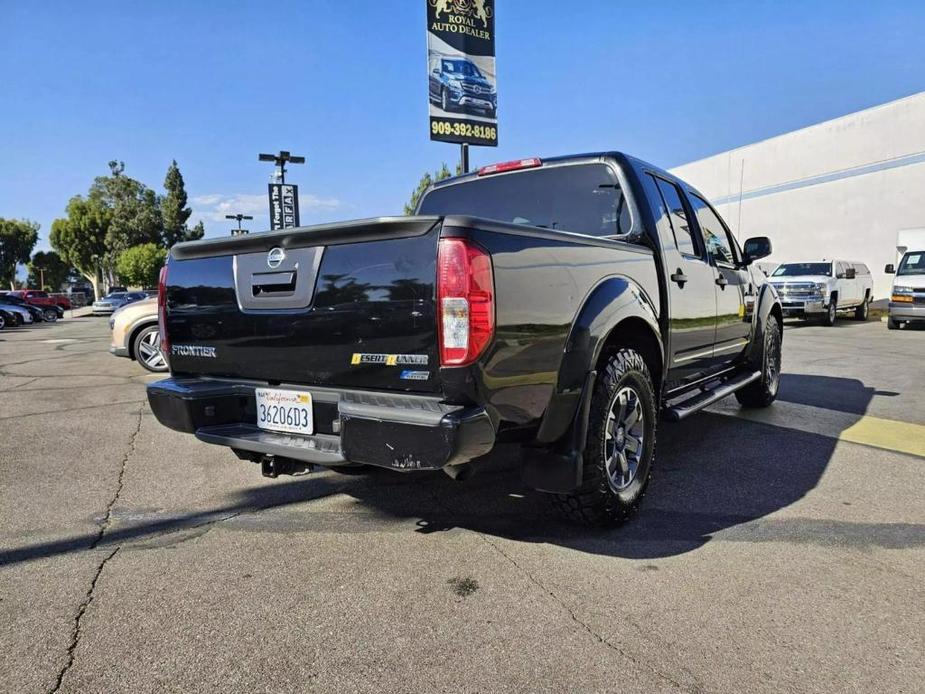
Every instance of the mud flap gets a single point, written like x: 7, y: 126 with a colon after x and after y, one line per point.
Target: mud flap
x: 558, y: 469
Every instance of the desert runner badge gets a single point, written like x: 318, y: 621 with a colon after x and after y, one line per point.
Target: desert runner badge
x: 389, y: 359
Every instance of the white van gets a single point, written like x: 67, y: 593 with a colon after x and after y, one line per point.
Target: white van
x: 907, y: 300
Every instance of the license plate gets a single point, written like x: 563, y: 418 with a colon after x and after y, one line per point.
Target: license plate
x: 284, y: 410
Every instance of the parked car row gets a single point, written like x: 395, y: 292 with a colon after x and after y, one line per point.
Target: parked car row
x: 22, y: 308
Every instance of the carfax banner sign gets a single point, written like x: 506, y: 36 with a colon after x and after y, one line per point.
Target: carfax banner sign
x: 461, y: 71
x: 284, y: 206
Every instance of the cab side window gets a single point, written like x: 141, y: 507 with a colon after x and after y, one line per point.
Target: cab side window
x: 715, y: 237
x: 677, y: 217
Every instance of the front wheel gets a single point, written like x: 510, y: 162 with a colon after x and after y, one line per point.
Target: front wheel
x: 148, y: 350
x: 49, y: 315
x: 444, y: 100
x: 892, y: 324
x: 620, y: 447
x: 831, y: 314
x: 763, y: 392
x: 2, y: 322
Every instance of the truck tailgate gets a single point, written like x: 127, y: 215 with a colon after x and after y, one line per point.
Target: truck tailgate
x: 349, y: 305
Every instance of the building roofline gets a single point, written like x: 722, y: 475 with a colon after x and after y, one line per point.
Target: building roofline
x: 894, y: 102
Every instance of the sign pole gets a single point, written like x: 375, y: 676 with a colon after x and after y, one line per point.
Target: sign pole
x: 464, y: 157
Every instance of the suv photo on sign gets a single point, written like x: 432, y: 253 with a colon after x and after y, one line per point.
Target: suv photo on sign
x: 461, y: 71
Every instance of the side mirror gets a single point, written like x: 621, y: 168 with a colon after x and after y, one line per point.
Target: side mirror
x: 889, y: 269
x: 756, y: 248
x: 850, y: 273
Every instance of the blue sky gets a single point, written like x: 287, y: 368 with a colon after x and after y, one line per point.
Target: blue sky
x: 213, y: 83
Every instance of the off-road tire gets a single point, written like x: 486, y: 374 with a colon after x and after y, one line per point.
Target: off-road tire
x: 831, y: 312
x: 763, y: 392
x: 862, y: 311
x: 595, y: 502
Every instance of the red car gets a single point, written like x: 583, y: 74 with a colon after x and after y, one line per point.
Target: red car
x: 37, y: 297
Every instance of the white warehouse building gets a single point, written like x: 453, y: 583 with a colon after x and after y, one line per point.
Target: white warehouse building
x: 839, y: 189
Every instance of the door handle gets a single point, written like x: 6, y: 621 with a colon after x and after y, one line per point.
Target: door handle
x: 679, y: 277
x: 722, y: 281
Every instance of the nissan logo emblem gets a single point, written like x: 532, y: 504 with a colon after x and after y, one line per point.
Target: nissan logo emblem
x: 275, y: 257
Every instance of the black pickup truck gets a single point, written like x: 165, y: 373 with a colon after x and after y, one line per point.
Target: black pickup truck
x: 565, y: 304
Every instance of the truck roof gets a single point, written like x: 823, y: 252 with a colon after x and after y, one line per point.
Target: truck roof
x: 586, y: 157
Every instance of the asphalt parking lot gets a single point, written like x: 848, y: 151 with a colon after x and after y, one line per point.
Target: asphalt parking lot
x: 777, y: 551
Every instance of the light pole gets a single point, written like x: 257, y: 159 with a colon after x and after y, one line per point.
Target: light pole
x: 280, y: 160
x: 239, y: 217
x: 41, y: 277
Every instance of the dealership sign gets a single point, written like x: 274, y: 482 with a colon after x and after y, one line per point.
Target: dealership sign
x: 461, y: 71
x: 284, y: 206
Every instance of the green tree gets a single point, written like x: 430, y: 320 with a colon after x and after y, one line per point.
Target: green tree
x: 197, y: 232
x: 136, y: 213
x: 426, y: 181
x: 17, y: 239
x: 80, y: 238
x: 174, y: 211
x: 140, y: 265
x: 47, y: 269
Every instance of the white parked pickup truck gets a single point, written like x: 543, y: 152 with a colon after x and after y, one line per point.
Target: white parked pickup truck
x: 823, y: 288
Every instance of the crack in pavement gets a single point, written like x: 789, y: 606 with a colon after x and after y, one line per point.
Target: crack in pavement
x: 104, y: 526
x: 75, y: 632
x: 584, y: 625
x: 575, y: 618
x: 73, y: 409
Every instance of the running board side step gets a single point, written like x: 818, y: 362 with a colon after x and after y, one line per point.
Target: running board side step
x: 688, y: 407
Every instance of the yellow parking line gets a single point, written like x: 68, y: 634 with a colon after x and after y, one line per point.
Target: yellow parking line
x: 889, y: 434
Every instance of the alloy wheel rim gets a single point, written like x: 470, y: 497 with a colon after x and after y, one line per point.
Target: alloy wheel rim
x: 624, y: 438
x: 149, y: 349
x: 772, y: 361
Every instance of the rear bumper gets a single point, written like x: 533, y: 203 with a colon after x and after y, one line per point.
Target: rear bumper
x: 401, y: 432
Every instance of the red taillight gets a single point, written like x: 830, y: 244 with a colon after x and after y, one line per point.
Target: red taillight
x: 465, y: 301
x: 530, y: 163
x: 162, y: 311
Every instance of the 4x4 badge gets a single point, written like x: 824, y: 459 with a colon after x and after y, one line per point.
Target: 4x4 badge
x: 275, y: 257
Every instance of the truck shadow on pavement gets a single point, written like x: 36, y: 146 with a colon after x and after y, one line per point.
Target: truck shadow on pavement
x: 724, y: 484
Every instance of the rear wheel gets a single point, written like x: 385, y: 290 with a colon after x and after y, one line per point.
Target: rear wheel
x: 49, y: 315
x: 2, y: 322
x: 862, y: 311
x: 147, y: 350
x: 763, y: 392
x: 620, y: 447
